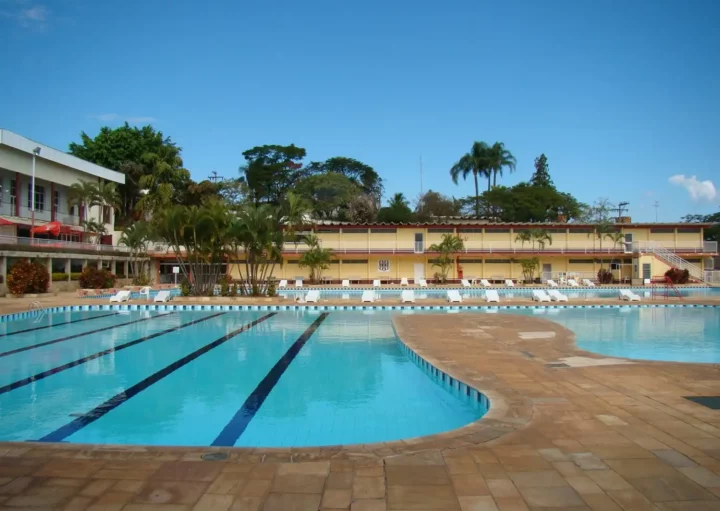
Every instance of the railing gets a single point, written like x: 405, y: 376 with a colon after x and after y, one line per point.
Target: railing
x: 7, y: 209
x: 712, y: 276
x: 67, y: 245
x: 669, y: 257
x: 710, y: 247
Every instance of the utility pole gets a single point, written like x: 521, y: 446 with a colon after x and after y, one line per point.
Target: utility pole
x: 421, y: 176
x: 656, y: 205
x: 214, y: 177
x: 621, y: 207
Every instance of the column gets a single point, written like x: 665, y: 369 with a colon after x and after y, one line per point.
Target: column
x: 68, y: 268
x: 126, y: 269
x: 48, y: 265
x: 84, y: 264
x: 113, y: 267
x: 3, y: 269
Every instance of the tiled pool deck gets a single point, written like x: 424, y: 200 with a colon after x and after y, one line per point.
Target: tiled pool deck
x: 567, y: 429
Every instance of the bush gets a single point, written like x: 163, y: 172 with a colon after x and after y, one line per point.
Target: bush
x: 678, y: 276
x: 141, y: 280
x: 28, y: 277
x: 75, y: 276
x: 272, y: 287
x: 94, y: 278
x: 605, y: 276
x: 234, y: 289
x: 224, y: 286
x: 185, y: 287
x: 60, y: 277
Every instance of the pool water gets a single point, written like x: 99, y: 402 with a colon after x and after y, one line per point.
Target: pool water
x: 273, y: 379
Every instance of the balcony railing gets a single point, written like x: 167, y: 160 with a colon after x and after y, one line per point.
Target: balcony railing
x: 44, y: 215
x: 65, y: 245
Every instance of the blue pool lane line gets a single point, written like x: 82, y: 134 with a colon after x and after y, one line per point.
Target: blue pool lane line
x: 237, y: 425
x: 50, y: 372
x: 68, y: 429
x: 58, y: 324
x: 74, y: 336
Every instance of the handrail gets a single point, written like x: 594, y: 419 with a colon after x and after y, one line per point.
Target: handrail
x: 51, y: 243
x: 670, y: 257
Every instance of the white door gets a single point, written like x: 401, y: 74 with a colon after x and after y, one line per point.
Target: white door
x: 628, y: 242
x: 419, y: 271
x: 419, y: 243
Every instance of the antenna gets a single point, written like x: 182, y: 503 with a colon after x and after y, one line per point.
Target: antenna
x: 656, y: 205
x: 421, y: 175
x: 214, y: 177
x: 622, y: 206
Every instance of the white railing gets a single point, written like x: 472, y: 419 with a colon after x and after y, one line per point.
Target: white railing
x: 66, y: 245
x: 712, y: 276
x: 710, y: 247
x: 669, y: 257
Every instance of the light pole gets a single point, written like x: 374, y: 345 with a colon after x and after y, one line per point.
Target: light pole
x: 36, y: 152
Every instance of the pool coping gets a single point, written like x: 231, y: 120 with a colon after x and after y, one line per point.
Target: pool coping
x: 508, y: 410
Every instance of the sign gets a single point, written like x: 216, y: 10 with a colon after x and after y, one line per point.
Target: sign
x: 176, y: 269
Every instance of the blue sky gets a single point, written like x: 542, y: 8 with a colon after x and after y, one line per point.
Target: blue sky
x: 619, y: 95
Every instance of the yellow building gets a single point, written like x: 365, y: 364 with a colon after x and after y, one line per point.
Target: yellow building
x: 363, y: 253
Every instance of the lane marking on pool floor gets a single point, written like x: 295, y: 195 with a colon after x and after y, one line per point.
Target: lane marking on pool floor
x: 26, y: 381
x: 83, y: 420
x: 58, y: 324
x: 237, y: 425
x: 75, y: 336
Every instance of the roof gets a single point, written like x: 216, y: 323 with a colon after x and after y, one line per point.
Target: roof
x: 20, y: 143
x: 470, y: 222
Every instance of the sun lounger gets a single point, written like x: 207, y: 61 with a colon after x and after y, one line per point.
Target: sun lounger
x: 540, y: 296
x: 298, y: 283
x: 509, y: 283
x: 588, y: 283
x: 626, y: 294
x: 283, y: 283
x: 121, y: 296
x: 404, y: 281
x: 368, y: 296
x: 312, y: 296
x: 484, y: 283
x: 453, y: 296
x: 422, y: 282
x: 492, y: 296
x: 163, y: 296
x: 557, y: 296
x: 407, y: 296
x: 552, y: 283
x: 376, y: 283
x: 573, y: 283
x: 345, y: 283
x: 465, y: 283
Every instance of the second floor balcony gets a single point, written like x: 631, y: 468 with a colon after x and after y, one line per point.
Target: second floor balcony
x: 61, y: 215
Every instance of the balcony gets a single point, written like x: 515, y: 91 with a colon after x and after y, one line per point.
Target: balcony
x: 62, y: 216
x: 59, y: 245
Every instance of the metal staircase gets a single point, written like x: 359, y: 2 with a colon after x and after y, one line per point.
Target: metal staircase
x: 669, y: 257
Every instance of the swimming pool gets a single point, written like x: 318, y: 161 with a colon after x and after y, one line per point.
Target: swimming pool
x: 275, y: 376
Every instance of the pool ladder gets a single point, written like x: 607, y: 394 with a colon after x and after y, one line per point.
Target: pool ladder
x: 36, y: 306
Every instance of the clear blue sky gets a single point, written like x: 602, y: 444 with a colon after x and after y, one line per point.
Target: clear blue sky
x: 620, y: 95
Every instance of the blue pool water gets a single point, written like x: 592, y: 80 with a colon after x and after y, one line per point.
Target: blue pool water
x: 272, y: 379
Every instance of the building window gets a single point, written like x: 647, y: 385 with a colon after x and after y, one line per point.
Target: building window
x: 662, y: 230
x: 355, y: 261
x: 327, y: 231
x: 470, y: 230
x: 13, y: 193
x: 56, y: 201
x: 353, y: 230
x: 471, y: 261
x: 383, y: 265
x: 580, y: 261
x: 489, y: 230
x: 106, y: 214
x: 440, y: 230
x: 581, y: 230
x: 497, y: 261
x: 383, y: 230
x: 688, y: 230
x: 39, y: 197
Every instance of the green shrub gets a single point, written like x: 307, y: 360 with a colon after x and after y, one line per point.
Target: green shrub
x: 678, y: 276
x: 60, y: 277
x: 185, y: 287
x: 94, y: 278
x: 272, y: 287
x: 75, y: 276
x: 605, y: 276
x: 234, y: 289
x: 28, y: 277
x: 141, y: 280
x: 224, y: 286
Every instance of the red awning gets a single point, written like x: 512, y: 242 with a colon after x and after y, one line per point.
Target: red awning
x: 3, y: 221
x: 54, y: 228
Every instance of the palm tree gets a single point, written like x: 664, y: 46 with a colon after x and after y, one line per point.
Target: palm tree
x: 84, y: 195
x: 94, y: 228
x: 499, y: 157
x: 108, y: 197
x: 136, y: 237
x: 523, y: 237
x: 316, y: 258
x: 601, y: 231
x: 534, y: 236
x: 450, y: 244
x: 475, y: 162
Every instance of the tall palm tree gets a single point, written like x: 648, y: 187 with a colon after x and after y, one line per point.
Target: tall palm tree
x: 108, y: 197
x: 499, y: 157
x: 84, y: 195
x: 475, y: 162
x: 95, y: 229
x: 398, y: 201
x: 136, y: 237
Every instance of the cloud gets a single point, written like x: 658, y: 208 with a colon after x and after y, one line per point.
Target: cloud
x: 36, y: 13
x: 117, y: 117
x: 30, y: 16
x: 698, y: 190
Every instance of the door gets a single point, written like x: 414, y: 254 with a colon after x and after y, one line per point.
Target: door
x: 647, y: 271
x: 419, y: 271
x: 546, y: 271
x: 419, y: 243
x: 628, y: 243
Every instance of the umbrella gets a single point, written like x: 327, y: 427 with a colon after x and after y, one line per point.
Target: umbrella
x: 6, y: 222
x: 51, y: 227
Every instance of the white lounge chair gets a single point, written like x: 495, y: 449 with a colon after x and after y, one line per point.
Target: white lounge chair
x: 283, y: 283
x: 626, y: 294
x: 557, y: 296
x: 539, y: 295
x: 492, y: 296
x: 404, y: 281
x: 588, y: 283
x: 298, y: 283
x: 407, y: 296
x: 509, y: 283
x: 453, y: 296
x: 465, y: 283
x: 312, y: 296
x: 345, y: 283
x: 422, y: 282
x: 484, y: 283
x: 368, y: 296
x: 163, y: 296
x: 121, y: 296
x: 376, y: 283
x: 573, y: 283
x: 552, y: 283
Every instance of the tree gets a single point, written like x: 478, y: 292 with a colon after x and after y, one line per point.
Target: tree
x: 361, y: 209
x: 601, y: 231
x: 526, y: 204
x: 710, y: 233
x: 329, y: 193
x: 541, y: 176
x: 498, y: 158
x: 94, y: 229
x: 128, y: 150
x: 451, y: 244
x: 136, y: 237
x: 529, y: 267
x: 84, y: 195
x: 198, y: 193
x: 361, y: 174
x: 166, y: 183
x: 316, y: 258
x: 435, y: 205
x: 271, y: 171
x: 537, y: 237
x: 476, y: 162
x: 397, y: 211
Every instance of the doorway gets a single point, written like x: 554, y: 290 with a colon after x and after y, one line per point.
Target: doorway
x: 419, y: 271
x: 628, y: 243
x: 546, y: 271
x: 419, y: 243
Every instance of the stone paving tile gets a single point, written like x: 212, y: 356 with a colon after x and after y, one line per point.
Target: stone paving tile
x: 558, y: 497
x: 213, y: 503
x: 477, y: 504
x: 702, y: 476
x: 416, y: 475
x: 298, y: 483
x: 186, y: 471
x: 369, y: 505
x: 171, y: 492
x: 422, y: 497
x: 290, y: 501
x: 336, y: 499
